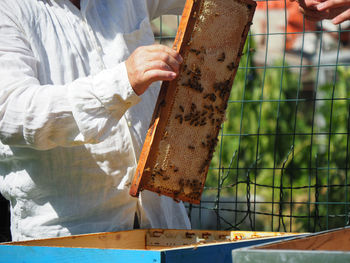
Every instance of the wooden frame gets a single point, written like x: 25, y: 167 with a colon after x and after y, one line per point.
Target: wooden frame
x: 177, y: 167
x: 142, y: 245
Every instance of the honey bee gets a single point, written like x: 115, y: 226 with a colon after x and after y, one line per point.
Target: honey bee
x: 193, y: 107
x: 191, y: 147
x: 179, y: 117
x: 190, y: 235
x: 162, y: 103
x: 222, y: 57
x: 231, y: 66
x: 197, y: 52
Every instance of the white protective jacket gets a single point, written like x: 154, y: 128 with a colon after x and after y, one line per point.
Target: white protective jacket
x: 71, y: 126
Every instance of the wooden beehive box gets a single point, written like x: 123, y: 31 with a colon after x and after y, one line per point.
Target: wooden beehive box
x: 323, y: 247
x: 142, y: 246
x: 190, y: 110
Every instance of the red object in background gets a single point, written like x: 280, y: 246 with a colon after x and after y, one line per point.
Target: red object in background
x: 295, y: 23
x: 279, y: 4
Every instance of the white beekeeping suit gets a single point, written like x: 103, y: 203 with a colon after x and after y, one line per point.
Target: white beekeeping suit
x: 71, y: 126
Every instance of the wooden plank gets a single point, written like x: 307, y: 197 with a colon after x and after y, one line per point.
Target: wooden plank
x: 215, y: 252
x: 190, y: 110
x: 337, y: 240
x: 195, y: 246
x: 168, y: 238
x: 148, y: 239
x: 29, y: 254
x: 133, y: 239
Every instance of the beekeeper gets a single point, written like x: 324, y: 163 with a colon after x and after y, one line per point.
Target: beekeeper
x: 78, y: 84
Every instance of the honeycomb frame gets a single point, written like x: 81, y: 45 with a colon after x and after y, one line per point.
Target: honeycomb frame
x: 181, y: 139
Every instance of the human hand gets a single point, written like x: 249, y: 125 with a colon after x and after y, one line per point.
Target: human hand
x: 148, y: 64
x: 339, y: 10
x: 309, y: 9
x: 315, y: 10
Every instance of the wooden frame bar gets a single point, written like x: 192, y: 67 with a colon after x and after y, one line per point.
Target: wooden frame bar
x: 142, y: 245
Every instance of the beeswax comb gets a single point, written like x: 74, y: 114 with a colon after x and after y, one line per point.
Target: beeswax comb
x: 181, y: 139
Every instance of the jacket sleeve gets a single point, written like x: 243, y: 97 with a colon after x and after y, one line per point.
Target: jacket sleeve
x: 46, y: 116
x: 165, y: 7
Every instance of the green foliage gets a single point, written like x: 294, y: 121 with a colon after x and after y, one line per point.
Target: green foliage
x: 285, y: 142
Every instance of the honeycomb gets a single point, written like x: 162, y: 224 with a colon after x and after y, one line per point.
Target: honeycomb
x: 190, y: 110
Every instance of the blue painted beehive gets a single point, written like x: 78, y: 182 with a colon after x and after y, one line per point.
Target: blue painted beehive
x: 144, y: 246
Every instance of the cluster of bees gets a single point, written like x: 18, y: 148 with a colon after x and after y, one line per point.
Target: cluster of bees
x: 156, y: 171
x: 193, y: 81
x: 194, y: 117
x: 192, y: 187
x: 210, y: 112
x: 199, y: 117
x: 210, y: 144
x: 195, y: 185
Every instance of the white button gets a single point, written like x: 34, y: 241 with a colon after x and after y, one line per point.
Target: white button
x: 129, y: 123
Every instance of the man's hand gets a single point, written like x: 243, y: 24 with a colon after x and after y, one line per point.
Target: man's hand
x: 315, y: 10
x: 148, y: 64
x: 339, y: 10
x: 309, y: 9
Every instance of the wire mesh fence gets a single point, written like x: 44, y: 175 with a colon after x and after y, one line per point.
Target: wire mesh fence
x: 282, y: 161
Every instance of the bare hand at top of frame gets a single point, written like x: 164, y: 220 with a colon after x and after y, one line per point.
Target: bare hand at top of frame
x: 148, y: 64
x: 337, y: 10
